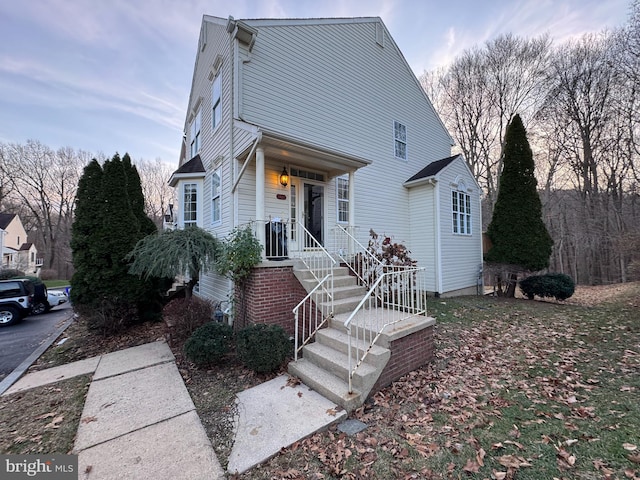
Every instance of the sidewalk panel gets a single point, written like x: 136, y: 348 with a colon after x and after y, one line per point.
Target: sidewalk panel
x: 125, y: 403
x: 133, y: 358
x: 54, y: 374
x: 173, y: 449
x: 273, y: 415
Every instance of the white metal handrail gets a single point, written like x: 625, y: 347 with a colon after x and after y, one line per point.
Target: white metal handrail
x: 360, y: 260
x: 313, y: 315
x: 397, y: 293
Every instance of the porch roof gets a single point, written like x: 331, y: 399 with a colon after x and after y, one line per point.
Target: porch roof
x: 294, y: 151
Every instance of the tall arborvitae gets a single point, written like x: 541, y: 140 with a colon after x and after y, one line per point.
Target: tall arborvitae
x: 85, y: 242
x: 518, y: 235
x: 136, y: 198
x: 106, y: 228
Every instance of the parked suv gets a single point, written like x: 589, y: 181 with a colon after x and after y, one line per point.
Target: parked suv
x: 16, y: 298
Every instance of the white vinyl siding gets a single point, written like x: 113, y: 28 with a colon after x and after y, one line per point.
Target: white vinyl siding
x: 296, y: 83
x: 422, y: 241
x: 461, y: 253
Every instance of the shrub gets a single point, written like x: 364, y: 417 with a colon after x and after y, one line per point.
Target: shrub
x: 209, y: 343
x: 108, y: 316
x: 49, y: 274
x: 9, y: 273
x: 183, y: 316
x: 263, y: 348
x: 556, y: 285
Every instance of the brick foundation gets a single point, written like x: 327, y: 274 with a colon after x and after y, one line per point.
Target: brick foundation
x: 407, y: 354
x: 271, y: 295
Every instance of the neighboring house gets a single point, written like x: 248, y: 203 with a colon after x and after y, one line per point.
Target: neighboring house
x: 316, y: 131
x: 17, y: 253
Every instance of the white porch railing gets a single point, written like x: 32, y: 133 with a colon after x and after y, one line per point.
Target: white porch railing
x: 394, y: 293
x: 310, y: 314
x: 364, y: 264
x: 286, y: 239
x: 397, y: 293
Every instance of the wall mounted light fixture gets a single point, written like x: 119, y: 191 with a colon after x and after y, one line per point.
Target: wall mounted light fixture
x: 284, y: 177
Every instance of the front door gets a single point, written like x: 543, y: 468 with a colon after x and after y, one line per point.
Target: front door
x: 313, y: 211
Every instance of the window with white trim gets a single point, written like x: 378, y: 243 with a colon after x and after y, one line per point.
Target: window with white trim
x: 195, y: 135
x: 342, y: 192
x: 399, y: 140
x: 216, y: 102
x: 216, y: 196
x: 190, y: 204
x: 461, y: 212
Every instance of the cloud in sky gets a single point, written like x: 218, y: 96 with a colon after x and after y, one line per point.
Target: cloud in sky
x: 114, y: 75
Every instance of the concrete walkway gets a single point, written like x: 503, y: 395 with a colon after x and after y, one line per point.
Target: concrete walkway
x: 139, y: 421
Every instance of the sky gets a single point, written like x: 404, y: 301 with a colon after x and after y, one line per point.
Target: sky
x: 109, y: 76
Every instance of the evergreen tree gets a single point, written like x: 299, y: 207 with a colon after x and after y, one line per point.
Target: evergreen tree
x: 518, y: 235
x: 107, y: 226
x: 85, y: 244
x: 136, y: 198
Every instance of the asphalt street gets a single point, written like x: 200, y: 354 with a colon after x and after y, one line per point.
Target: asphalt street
x: 18, y: 341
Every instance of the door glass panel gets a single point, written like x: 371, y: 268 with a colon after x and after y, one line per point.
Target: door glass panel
x: 313, y: 211
x: 294, y: 199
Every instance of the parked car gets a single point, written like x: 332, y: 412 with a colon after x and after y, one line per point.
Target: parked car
x: 16, y: 300
x: 45, y: 300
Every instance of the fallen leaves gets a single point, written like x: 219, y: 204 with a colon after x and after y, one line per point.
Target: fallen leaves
x: 55, y: 423
x: 566, y: 460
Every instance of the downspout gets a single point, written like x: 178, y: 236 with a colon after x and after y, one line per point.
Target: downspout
x: 438, y: 235
x: 481, y: 272
x: 233, y: 161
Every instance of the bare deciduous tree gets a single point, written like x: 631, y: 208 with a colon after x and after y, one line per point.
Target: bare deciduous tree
x: 155, y: 187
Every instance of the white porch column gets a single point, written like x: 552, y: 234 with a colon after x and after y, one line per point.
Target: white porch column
x: 352, y: 199
x: 352, y: 209
x: 260, y: 219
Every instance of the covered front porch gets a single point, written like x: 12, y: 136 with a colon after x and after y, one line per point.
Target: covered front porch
x: 301, y: 192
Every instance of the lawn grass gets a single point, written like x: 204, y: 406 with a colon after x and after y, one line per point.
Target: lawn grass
x: 520, y: 389
x: 56, y: 283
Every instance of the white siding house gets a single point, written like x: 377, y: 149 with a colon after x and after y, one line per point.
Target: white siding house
x: 334, y: 104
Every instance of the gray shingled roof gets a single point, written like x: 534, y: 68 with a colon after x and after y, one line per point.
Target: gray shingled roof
x: 192, y: 166
x: 5, y: 219
x: 433, y: 168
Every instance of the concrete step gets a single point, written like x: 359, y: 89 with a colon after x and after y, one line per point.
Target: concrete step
x: 337, y: 363
x: 339, y: 340
x: 343, y: 305
x: 338, y: 281
x: 326, y: 384
x: 348, y: 291
x: 304, y: 271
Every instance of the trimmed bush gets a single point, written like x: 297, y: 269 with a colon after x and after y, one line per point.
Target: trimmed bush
x: 183, y: 316
x: 209, y: 343
x: 557, y: 285
x: 9, y: 273
x: 263, y: 348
